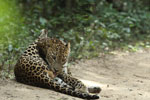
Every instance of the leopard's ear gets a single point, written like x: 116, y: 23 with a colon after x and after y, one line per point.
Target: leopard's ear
x: 68, y: 45
x: 41, y: 43
x: 43, y: 34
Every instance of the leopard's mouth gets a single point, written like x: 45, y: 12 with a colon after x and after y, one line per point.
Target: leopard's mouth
x: 56, y: 71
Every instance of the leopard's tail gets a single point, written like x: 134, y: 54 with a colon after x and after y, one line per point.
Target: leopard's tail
x: 70, y: 91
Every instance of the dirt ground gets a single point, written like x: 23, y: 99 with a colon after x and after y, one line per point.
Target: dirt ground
x: 122, y: 76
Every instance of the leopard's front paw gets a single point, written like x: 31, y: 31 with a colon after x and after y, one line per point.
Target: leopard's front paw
x: 94, y: 89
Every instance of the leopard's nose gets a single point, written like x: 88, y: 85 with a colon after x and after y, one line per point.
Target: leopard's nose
x: 56, y: 70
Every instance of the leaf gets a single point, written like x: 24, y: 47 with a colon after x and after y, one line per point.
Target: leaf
x: 10, y: 48
x: 43, y: 21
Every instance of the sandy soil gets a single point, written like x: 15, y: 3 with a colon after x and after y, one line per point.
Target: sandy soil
x: 123, y: 76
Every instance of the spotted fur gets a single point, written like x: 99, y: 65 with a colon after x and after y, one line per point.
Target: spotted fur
x: 42, y: 64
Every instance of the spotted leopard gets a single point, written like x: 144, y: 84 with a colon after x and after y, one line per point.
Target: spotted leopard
x: 43, y: 64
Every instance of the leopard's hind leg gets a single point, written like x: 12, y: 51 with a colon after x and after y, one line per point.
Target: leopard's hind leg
x: 73, y: 82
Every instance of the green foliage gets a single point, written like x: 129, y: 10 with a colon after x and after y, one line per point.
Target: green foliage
x: 12, y: 32
x: 92, y: 26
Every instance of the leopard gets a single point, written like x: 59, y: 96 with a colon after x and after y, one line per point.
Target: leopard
x: 43, y: 64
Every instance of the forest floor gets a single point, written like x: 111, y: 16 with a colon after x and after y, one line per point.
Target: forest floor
x: 122, y: 76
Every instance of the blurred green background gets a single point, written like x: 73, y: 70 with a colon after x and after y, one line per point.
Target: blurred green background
x: 92, y: 26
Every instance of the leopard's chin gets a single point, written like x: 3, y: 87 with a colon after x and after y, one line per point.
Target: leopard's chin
x: 56, y: 74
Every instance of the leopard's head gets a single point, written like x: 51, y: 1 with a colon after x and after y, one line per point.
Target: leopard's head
x: 55, y: 52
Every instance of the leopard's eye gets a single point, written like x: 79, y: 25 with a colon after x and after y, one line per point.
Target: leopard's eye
x: 48, y: 45
x: 54, y: 57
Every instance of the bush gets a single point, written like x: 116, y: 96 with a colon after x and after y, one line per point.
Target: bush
x: 90, y: 24
x: 12, y: 35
